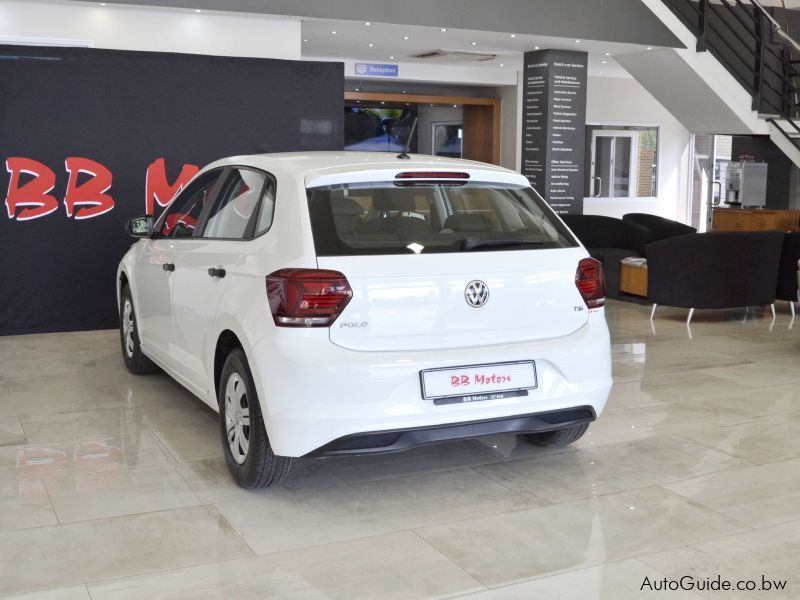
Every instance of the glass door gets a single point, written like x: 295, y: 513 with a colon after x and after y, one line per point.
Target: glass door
x: 613, y: 167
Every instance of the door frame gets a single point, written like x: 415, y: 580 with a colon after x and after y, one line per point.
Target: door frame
x: 633, y: 135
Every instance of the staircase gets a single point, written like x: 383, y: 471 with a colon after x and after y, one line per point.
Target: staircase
x: 759, y: 90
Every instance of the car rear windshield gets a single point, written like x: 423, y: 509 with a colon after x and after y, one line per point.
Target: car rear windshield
x: 388, y: 218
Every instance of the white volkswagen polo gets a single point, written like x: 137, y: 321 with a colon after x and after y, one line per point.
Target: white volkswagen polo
x: 343, y: 303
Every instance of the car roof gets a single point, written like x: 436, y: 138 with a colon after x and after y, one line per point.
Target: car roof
x: 329, y: 167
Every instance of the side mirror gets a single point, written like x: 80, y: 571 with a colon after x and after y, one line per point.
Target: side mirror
x: 140, y: 227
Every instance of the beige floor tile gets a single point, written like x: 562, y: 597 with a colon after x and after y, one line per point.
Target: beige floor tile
x: 763, y: 373
x: 758, y: 442
x: 46, y: 401
x: 211, y: 481
x: 25, y: 462
x: 391, y: 566
x: 614, y: 581
x: 85, y: 375
x: 771, y: 552
x: 76, y: 592
x: 58, y: 556
x: 158, y: 389
x: 191, y: 443
x: 25, y: 505
x: 11, y: 432
x: 508, y: 547
x: 98, y: 495
x: 285, y: 519
x: 665, y: 418
x: 610, y: 468
x: 759, y: 496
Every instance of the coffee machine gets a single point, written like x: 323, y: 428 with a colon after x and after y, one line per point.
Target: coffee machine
x: 746, y: 184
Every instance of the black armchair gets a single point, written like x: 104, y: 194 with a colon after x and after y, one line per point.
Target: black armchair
x: 787, y: 271
x: 608, y: 240
x: 722, y: 269
x: 653, y: 228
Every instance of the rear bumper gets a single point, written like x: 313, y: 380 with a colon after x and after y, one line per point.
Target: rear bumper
x: 376, y: 442
x: 314, y: 393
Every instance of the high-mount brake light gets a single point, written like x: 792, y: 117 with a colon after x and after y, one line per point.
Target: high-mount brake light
x: 432, y: 175
x: 307, y: 297
x: 591, y: 283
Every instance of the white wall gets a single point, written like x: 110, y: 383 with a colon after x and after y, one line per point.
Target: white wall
x: 153, y: 29
x: 621, y: 101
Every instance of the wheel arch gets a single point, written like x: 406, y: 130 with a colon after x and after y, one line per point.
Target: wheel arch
x: 227, y: 340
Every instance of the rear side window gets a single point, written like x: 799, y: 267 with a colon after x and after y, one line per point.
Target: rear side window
x: 236, y: 205
x: 384, y: 218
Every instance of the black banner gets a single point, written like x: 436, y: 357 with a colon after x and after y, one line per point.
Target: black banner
x: 90, y: 138
x: 554, y: 126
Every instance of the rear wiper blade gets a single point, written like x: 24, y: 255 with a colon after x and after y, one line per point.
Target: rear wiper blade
x: 476, y: 244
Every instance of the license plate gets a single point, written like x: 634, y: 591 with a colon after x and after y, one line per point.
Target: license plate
x: 479, y: 382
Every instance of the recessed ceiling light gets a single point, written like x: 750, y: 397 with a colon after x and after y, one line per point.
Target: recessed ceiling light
x: 474, y: 43
x: 370, y: 44
x: 333, y: 33
x: 455, y: 105
x: 431, y: 104
x: 391, y: 58
x: 608, y: 53
x: 197, y: 10
x: 502, y: 65
x: 443, y: 29
x: 408, y: 103
x: 649, y: 47
x: 103, y: 4
x: 404, y: 91
x: 382, y: 102
x: 603, y: 61
x: 405, y: 37
x: 358, y: 101
x: 536, y: 47
x: 305, y: 40
x: 513, y: 35
x: 358, y: 89
x: 367, y: 23
x: 577, y: 41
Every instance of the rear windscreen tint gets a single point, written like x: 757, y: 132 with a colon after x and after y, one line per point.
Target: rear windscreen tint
x: 385, y: 218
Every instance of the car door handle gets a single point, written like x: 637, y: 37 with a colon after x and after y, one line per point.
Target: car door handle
x: 216, y: 272
x: 168, y: 266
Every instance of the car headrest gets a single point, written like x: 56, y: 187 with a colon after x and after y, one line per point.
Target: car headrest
x: 345, y: 207
x: 391, y: 199
x: 467, y: 222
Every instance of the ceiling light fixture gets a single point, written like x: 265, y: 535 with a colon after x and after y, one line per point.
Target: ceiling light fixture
x: 649, y: 47
x: 513, y: 35
x: 608, y: 53
x: 333, y: 33
x: 536, y: 47
x: 370, y: 44
x: 455, y: 105
x: 577, y: 41
x: 474, y: 43
x: 358, y: 89
x: 443, y: 29
x: 603, y: 61
x: 404, y: 91
x: 391, y: 58
x: 197, y: 10
x: 502, y: 65
x: 405, y: 37
x: 367, y: 23
x: 305, y: 40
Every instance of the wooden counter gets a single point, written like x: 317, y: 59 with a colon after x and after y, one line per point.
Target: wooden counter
x: 754, y: 219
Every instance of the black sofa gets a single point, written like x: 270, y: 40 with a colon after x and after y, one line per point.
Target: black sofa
x: 722, y: 269
x: 652, y: 228
x: 787, y: 271
x: 607, y: 239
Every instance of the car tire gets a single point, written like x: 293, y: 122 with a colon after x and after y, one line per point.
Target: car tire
x: 559, y: 437
x: 135, y: 360
x: 248, y: 453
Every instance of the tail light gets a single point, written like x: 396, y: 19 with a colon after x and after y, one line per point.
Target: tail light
x: 591, y: 283
x: 307, y: 297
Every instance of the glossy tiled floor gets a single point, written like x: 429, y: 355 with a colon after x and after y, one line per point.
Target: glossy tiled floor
x: 113, y: 486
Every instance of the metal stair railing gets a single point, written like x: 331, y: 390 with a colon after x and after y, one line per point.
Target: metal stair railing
x: 737, y: 33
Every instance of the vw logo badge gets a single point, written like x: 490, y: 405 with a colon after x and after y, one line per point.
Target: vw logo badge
x: 477, y: 293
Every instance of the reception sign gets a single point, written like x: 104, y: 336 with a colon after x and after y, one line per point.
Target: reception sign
x: 554, y: 126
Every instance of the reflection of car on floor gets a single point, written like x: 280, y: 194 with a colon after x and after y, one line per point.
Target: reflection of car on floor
x: 348, y: 303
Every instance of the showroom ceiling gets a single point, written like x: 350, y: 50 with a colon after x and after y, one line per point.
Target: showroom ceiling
x: 626, y: 21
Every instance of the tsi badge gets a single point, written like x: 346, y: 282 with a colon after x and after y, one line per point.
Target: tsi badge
x: 477, y: 293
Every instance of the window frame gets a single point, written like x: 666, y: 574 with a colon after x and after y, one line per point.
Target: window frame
x: 250, y: 229
x: 201, y: 218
